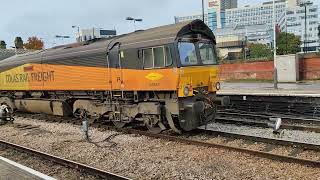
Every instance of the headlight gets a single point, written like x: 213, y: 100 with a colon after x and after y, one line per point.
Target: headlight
x: 186, y: 91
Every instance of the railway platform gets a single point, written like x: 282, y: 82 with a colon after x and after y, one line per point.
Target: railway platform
x: 10, y: 170
x: 305, y: 89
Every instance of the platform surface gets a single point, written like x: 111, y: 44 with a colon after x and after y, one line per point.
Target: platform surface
x: 309, y: 89
x: 10, y: 170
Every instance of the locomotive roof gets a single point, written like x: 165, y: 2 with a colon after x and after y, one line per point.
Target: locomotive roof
x: 138, y: 39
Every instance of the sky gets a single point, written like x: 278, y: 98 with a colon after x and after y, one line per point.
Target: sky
x: 45, y: 19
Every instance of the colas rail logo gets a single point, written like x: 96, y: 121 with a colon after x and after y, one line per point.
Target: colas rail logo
x: 30, y: 75
x: 154, y: 76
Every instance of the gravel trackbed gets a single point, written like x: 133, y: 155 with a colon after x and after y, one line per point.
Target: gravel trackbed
x: 141, y: 157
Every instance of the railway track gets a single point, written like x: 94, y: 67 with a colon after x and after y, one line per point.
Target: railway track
x: 300, y: 105
x: 64, y: 162
x: 269, y: 144
x: 262, y: 120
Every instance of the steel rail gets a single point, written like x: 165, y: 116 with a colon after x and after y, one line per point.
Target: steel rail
x: 285, y: 118
x: 262, y: 154
x: 64, y: 162
x: 273, y: 141
x: 265, y: 124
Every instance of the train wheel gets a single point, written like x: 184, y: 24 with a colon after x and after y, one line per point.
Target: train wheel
x: 119, y: 124
x: 153, y: 124
x: 117, y: 121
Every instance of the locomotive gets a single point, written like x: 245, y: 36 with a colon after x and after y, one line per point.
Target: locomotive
x: 164, y: 78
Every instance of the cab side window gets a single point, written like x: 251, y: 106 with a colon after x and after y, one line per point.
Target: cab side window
x: 157, y: 57
x: 169, y: 60
x: 148, y: 58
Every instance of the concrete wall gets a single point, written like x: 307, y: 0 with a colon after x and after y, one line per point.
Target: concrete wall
x: 309, y: 69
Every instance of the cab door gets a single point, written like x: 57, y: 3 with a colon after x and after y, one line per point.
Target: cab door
x: 117, y: 76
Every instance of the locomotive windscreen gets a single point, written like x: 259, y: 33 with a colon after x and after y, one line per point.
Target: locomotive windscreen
x: 197, y: 53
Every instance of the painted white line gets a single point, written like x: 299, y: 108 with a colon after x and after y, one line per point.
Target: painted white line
x: 255, y: 93
x: 26, y: 169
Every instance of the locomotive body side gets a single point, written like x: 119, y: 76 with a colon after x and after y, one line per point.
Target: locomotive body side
x: 141, y: 77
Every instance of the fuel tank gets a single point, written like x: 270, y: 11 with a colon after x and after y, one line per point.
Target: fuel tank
x: 51, y: 107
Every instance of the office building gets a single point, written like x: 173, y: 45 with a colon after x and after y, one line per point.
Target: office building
x: 293, y: 3
x: 229, y: 4
x: 194, y: 16
x: 293, y: 21
x: 235, y: 39
x: 289, y: 17
x: 254, y: 15
x: 215, y: 17
x: 217, y: 12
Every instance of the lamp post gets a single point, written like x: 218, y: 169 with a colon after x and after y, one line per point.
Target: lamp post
x: 78, y: 38
x: 275, y: 75
x: 134, y: 21
x: 203, y: 10
x: 62, y: 37
x: 305, y: 4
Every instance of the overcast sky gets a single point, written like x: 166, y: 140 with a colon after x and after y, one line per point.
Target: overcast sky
x: 45, y: 19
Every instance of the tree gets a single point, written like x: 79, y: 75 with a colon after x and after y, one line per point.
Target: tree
x: 288, y: 43
x: 18, y: 42
x: 3, y: 45
x: 34, y: 43
x: 260, y: 51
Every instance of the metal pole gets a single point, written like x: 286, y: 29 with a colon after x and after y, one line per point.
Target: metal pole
x: 305, y: 28
x: 246, y: 43
x: 93, y: 33
x: 203, y: 11
x: 79, y: 40
x: 275, y: 80
x: 286, y: 30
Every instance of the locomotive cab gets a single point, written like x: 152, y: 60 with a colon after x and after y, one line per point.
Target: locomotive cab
x: 198, y: 80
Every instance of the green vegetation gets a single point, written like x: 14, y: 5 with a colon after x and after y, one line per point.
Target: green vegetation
x: 260, y: 51
x: 288, y: 43
x: 18, y: 42
x: 3, y: 45
x: 34, y: 43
